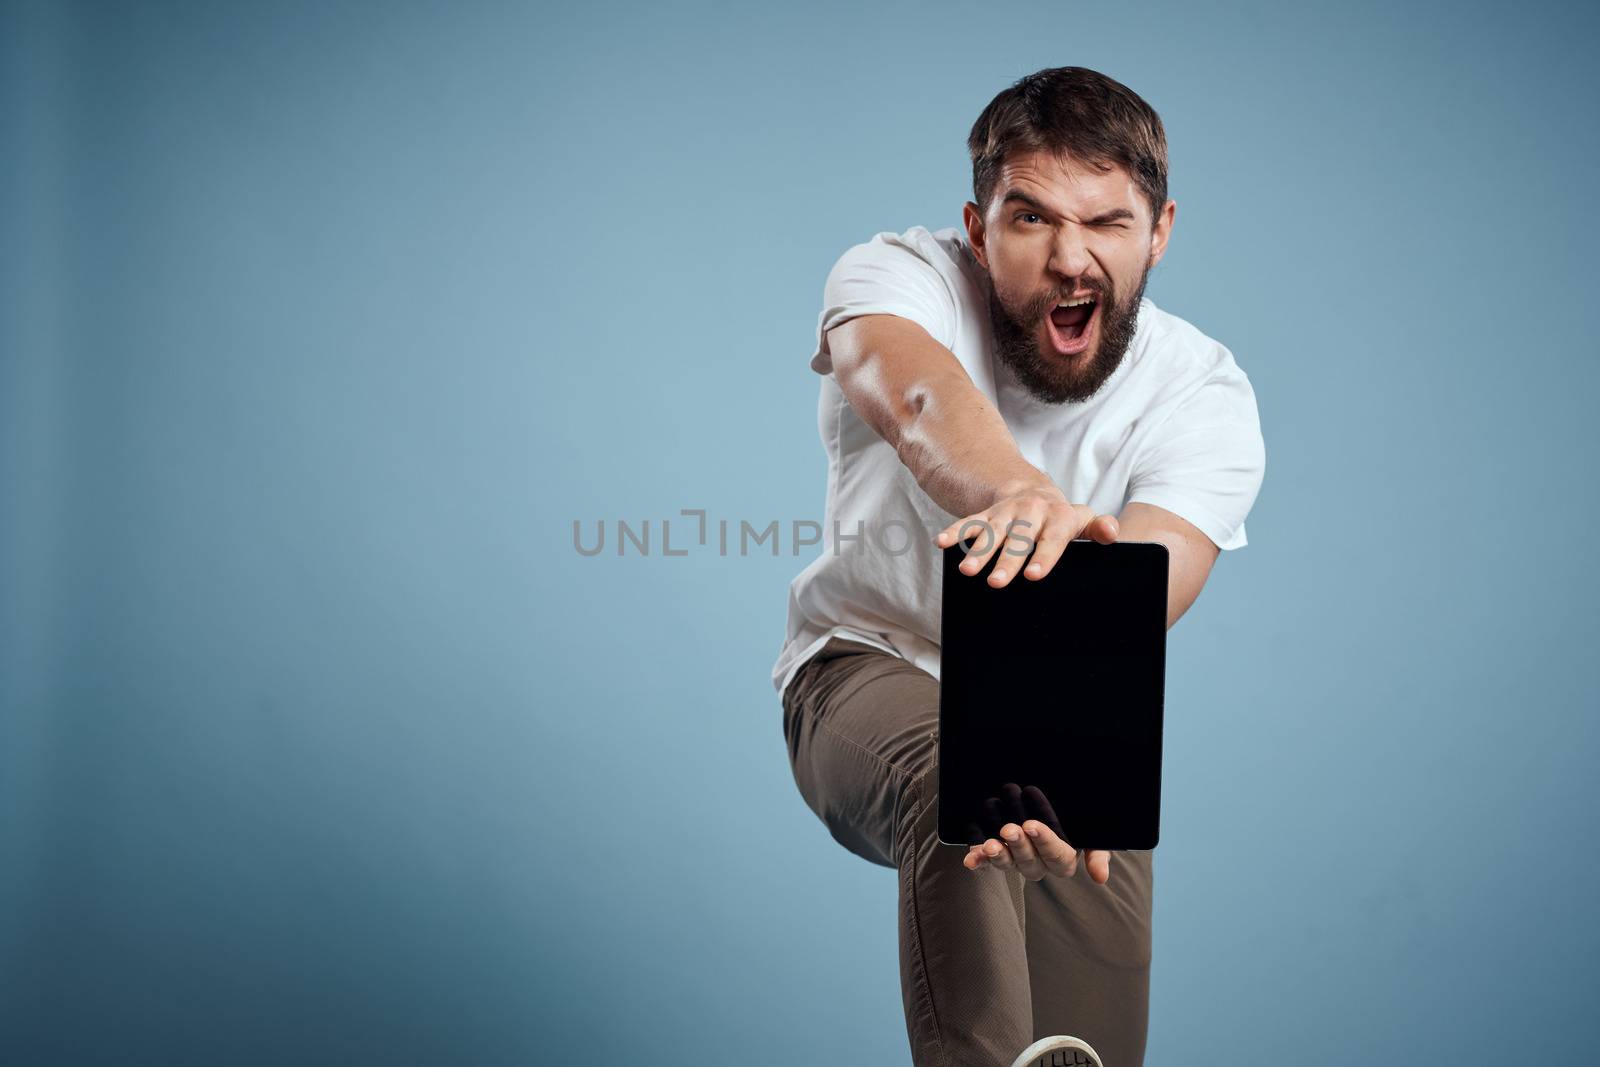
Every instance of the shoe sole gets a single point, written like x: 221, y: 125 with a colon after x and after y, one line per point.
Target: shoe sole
x: 1059, y: 1052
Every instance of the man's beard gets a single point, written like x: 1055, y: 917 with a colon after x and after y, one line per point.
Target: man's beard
x: 1051, y: 378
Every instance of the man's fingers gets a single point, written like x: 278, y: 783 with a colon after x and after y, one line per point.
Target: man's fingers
x: 1024, y: 535
x: 1104, y: 528
x: 1022, y: 852
x: 1034, y: 851
x: 985, y: 536
x: 1061, y: 525
x: 1042, y: 809
x: 1011, y: 803
x: 953, y: 533
x: 1066, y: 523
x: 1052, y: 543
x: 1058, y: 856
x: 1007, y: 530
x: 994, y: 817
x: 1019, y: 540
x: 998, y: 855
x: 1005, y: 533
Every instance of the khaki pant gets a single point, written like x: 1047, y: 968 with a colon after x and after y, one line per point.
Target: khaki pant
x: 989, y: 961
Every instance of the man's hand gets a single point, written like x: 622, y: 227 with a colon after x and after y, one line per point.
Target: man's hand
x: 1033, y: 850
x: 1027, y: 519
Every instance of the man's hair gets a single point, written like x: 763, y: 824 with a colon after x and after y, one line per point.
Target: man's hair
x: 1076, y: 113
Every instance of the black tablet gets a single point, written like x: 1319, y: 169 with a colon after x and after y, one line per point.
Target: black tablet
x: 1050, y: 697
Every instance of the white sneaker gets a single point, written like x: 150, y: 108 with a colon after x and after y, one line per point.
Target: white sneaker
x: 1058, y: 1051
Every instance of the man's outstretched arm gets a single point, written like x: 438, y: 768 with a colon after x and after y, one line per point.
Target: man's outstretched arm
x: 915, y: 394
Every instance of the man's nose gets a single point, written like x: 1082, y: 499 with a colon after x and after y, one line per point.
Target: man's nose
x: 1069, y: 255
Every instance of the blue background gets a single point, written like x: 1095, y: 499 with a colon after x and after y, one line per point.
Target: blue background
x: 321, y: 324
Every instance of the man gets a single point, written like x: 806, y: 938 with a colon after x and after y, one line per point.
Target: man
x: 1009, y: 372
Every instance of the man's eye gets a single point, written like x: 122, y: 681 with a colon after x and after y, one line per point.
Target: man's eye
x: 1026, y: 215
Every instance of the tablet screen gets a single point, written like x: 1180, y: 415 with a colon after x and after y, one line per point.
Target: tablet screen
x: 1050, y: 697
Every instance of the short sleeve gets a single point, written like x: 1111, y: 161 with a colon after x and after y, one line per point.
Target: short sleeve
x: 1205, y: 463
x: 888, y: 275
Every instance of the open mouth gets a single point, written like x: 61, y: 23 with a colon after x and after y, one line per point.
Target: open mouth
x: 1070, y: 323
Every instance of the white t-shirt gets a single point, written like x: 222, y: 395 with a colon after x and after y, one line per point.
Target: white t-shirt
x: 1175, y: 426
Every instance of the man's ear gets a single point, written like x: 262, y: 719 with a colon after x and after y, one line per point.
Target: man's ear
x: 1161, y: 231
x: 973, y: 218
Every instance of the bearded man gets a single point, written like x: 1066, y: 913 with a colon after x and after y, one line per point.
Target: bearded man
x: 1011, y: 372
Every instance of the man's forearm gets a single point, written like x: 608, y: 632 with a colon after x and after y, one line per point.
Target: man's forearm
x: 959, y: 449
x: 916, y: 395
